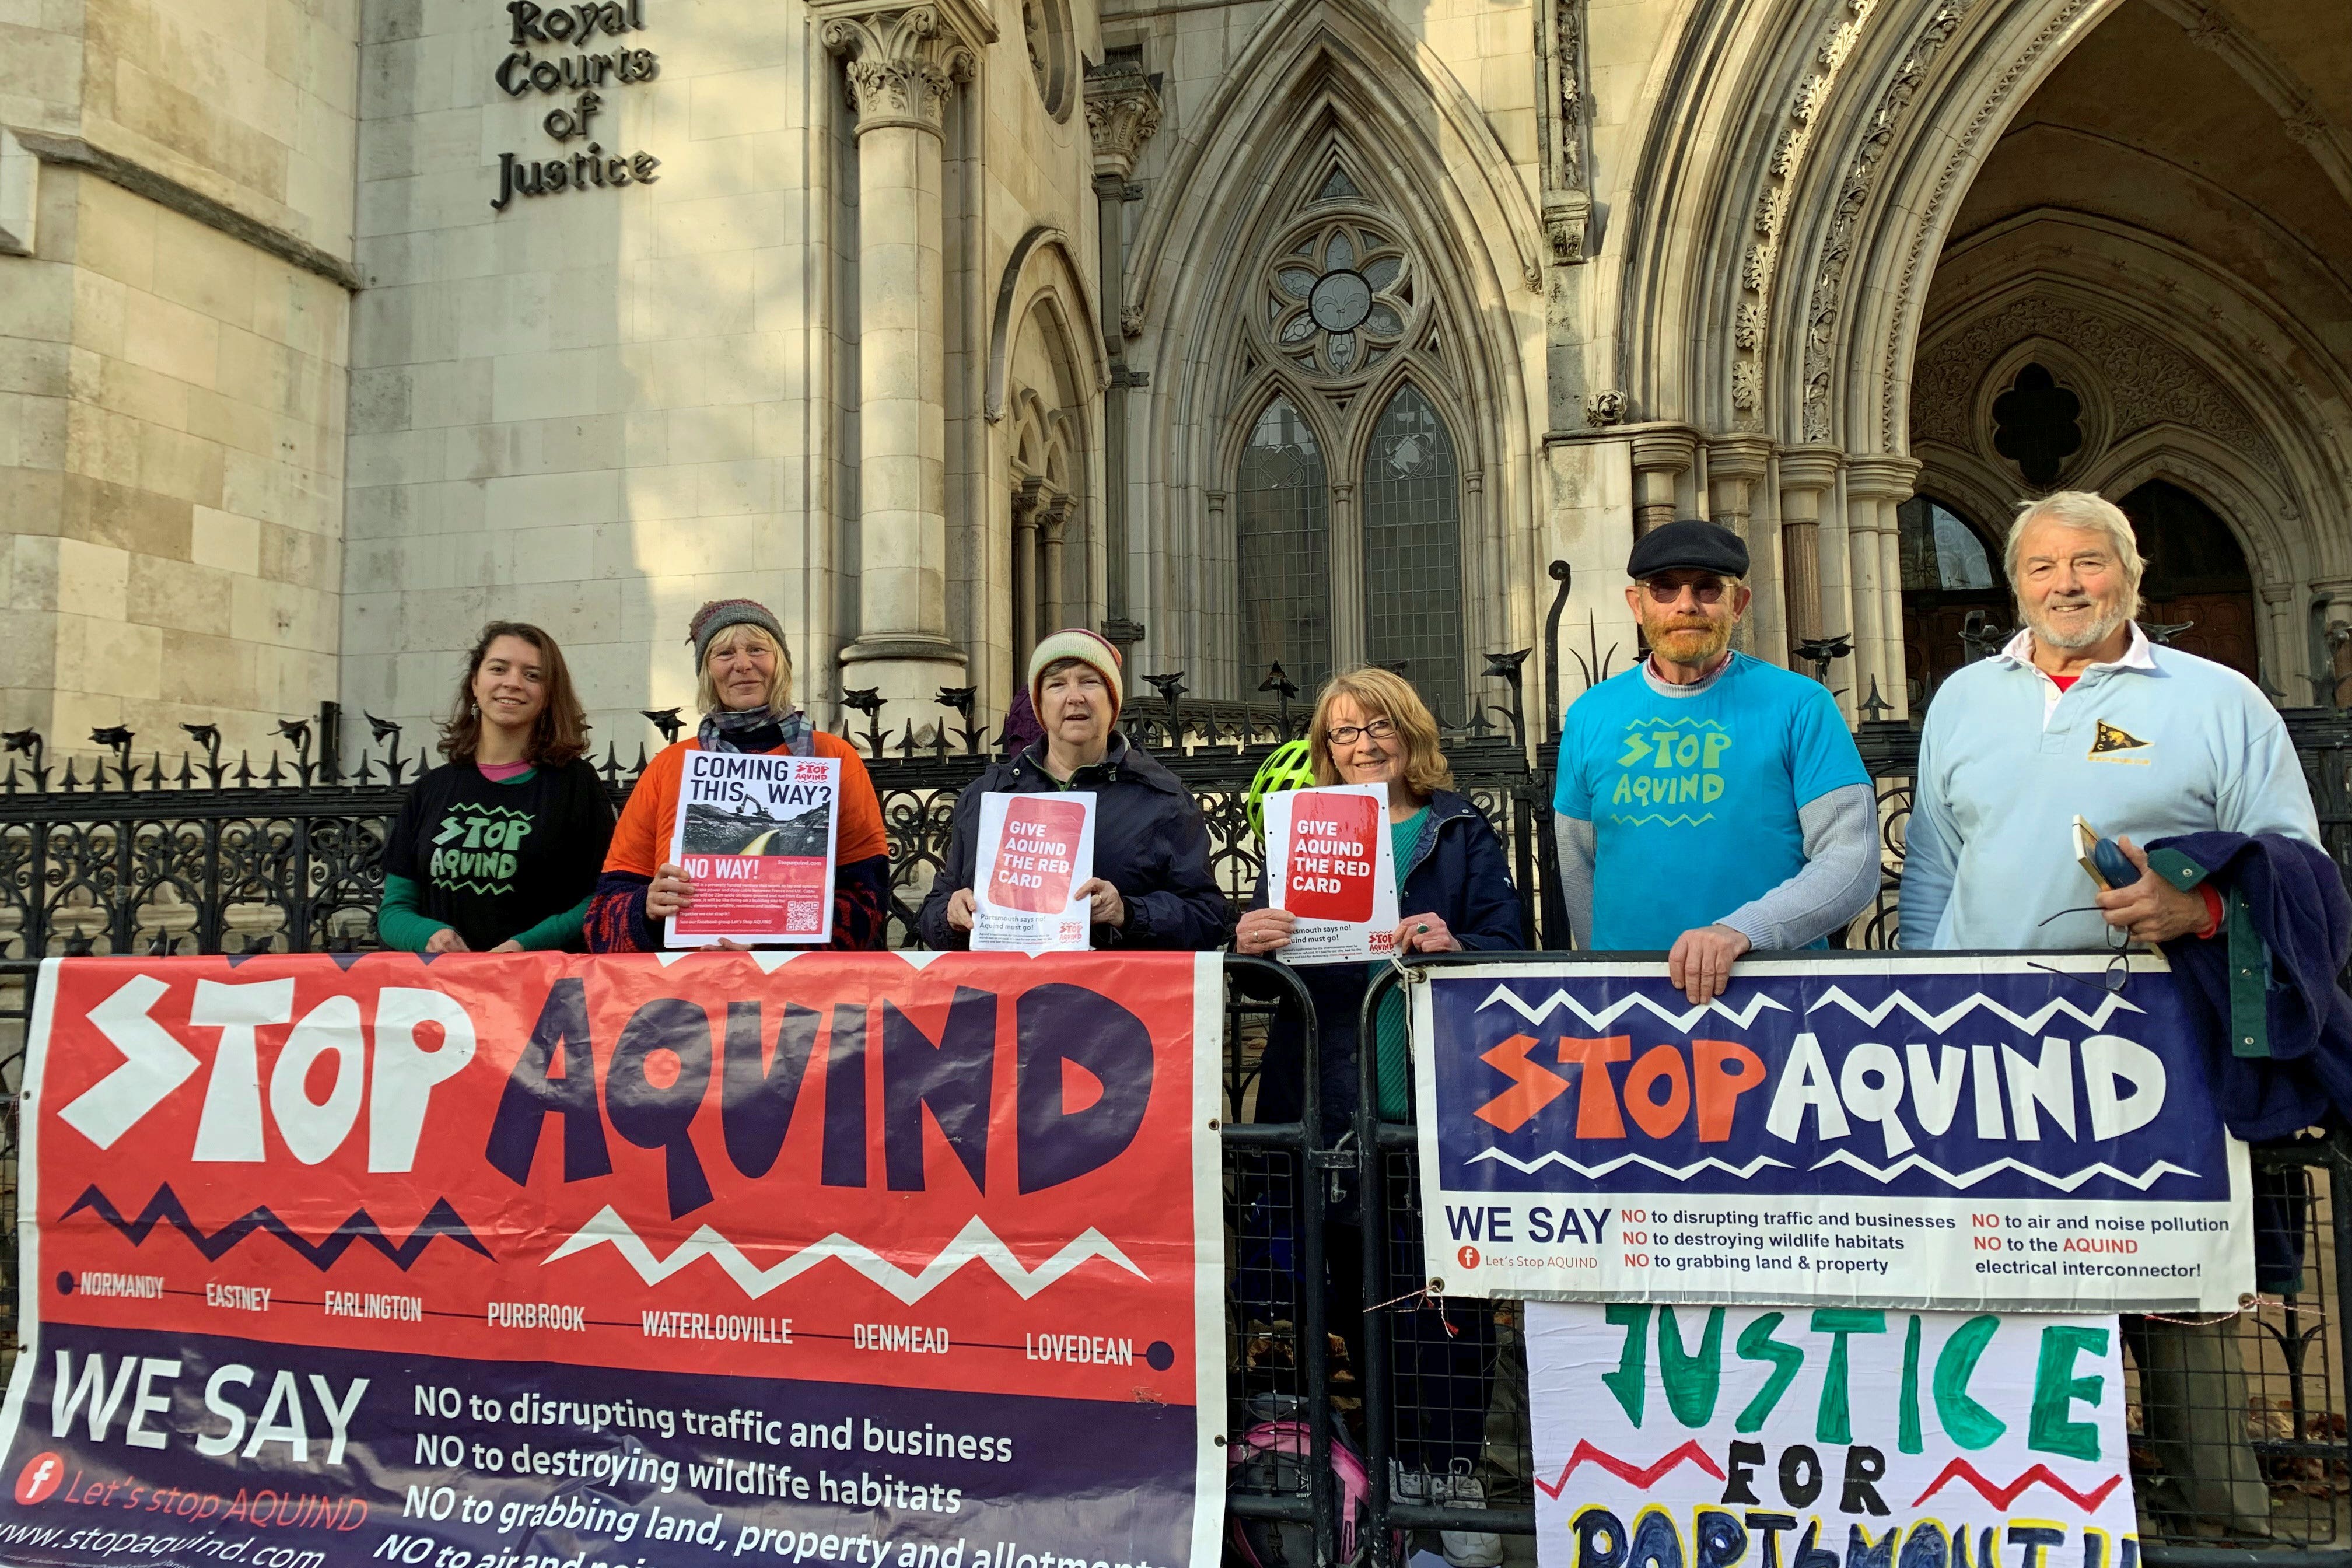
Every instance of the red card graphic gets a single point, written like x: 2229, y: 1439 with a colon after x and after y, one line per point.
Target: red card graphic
x: 1333, y: 856
x: 1037, y: 855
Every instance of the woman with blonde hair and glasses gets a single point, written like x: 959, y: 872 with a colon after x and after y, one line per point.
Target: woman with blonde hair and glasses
x: 745, y: 691
x: 1455, y: 886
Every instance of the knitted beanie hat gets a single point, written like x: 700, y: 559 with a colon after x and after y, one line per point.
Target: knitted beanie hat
x: 1077, y: 642
x: 719, y: 614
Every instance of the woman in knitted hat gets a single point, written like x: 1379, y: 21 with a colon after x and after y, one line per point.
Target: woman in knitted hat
x: 1151, y: 886
x: 746, y: 697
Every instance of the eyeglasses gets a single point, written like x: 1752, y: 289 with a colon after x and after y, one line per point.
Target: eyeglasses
x: 1667, y: 590
x: 1349, y: 735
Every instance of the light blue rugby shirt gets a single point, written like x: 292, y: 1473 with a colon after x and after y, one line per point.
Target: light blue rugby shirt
x: 2158, y: 742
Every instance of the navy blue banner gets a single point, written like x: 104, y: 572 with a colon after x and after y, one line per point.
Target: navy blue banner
x: 272, y: 1456
x: 1962, y: 1132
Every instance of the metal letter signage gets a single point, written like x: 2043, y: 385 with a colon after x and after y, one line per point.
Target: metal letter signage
x: 539, y: 63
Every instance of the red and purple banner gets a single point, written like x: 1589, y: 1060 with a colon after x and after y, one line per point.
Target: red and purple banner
x: 549, y: 1261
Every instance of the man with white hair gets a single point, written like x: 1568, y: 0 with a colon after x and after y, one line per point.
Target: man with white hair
x: 2081, y: 715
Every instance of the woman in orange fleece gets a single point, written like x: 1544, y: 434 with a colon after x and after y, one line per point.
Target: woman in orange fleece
x: 746, y: 697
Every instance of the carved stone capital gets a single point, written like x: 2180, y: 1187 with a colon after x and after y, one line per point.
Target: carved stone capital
x: 1881, y: 478
x: 1123, y: 112
x: 1568, y: 230
x: 1604, y: 408
x: 1740, y: 457
x: 1664, y: 449
x: 1810, y: 468
x: 902, y: 63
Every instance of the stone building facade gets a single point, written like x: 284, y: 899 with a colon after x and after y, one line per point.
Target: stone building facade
x: 1245, y: 330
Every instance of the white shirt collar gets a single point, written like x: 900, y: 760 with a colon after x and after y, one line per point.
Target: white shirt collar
x: 2139, y: 653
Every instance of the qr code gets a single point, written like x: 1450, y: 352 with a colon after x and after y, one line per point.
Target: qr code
x: 803, y: 914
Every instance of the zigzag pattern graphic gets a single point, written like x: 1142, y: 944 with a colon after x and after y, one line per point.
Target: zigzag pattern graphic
x: 1966, y: 1179
x: 165, y: 1208
x: 1685, y: 820
x: 1693, y: 724
x: 1689, y: 1453
x: 1594, y: 1173
x: 2108, y: 1007
x: 1745, y: 1017
x: 975, y: 1242
x: 2002, y: 1497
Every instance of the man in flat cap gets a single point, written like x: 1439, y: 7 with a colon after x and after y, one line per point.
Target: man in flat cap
x: 1709, y: 804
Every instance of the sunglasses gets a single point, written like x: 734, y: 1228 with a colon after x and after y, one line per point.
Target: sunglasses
x: 1669, y: 590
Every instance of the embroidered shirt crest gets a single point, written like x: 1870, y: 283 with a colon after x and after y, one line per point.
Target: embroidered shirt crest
x: 2110, y: 739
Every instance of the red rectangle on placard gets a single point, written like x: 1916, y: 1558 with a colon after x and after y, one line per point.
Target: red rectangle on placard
x: 1333, y: 854
x: 1037, y: 856
x: 733, y: 893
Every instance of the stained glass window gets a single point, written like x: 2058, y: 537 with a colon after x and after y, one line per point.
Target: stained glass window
x: 1413, y: 552
x: 1283, y: 521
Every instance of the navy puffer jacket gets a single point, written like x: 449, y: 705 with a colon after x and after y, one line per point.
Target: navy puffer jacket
x: 1150, y: 843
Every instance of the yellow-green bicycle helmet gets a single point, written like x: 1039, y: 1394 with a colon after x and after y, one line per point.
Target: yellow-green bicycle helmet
x: 1287, y: 769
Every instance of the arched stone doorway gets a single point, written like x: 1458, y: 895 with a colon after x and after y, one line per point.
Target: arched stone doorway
x: 2198, y: 594
x: 2133, y: 298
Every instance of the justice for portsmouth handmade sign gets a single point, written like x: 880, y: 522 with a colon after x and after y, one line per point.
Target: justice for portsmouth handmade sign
x: 1901, y: 1132
x: 549, y: 1261
x: 1738, y: 1437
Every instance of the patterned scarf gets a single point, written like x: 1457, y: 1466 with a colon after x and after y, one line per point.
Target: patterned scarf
x: 756, y: 730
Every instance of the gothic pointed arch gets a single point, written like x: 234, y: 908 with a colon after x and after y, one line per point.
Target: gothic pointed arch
x: 1343, y: 143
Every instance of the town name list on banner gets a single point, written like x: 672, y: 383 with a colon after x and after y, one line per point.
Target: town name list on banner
x: 549, y: 1261
x: 2005, y: 1133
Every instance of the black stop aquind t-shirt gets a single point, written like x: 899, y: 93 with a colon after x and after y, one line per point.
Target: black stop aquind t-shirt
x: 495, y: 860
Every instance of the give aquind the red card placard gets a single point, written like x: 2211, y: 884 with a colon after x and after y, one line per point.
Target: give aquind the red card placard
x: 1036, y: 852
x: 756, y: 836
x: 1330, y: 862
x: 639, y: 1261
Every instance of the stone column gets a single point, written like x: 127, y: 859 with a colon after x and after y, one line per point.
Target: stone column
x: 1874, y: 486
x: 1350, y: 629
x: 1026, y: 502
x: 2331, y: 654
x: 1123, y: 112
x: 902, y: 63
x: 1805, y: 473
x: 1052, y: 603
x: 1734, y: 466
x: 2279, y: 642
x: 1659, y: 455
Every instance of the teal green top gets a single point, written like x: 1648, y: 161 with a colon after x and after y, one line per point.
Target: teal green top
x: 1394, y: 1070
x: 401, y: 926
x: 2250, y: 956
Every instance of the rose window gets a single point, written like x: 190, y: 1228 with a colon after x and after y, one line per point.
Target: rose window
x: 1339, y: 301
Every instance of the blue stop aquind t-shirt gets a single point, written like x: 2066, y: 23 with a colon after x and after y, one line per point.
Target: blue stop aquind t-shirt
x: 1693, y: 800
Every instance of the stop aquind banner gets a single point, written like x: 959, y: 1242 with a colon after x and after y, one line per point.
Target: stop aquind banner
x: 2028, y: 1133
x: 553, y: 1261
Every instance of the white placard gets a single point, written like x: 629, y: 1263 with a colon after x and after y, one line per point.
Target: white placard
x: 1036, y: 852
x: 756, y: 836
x: 1328, y: 861
x: 1748, y: 1436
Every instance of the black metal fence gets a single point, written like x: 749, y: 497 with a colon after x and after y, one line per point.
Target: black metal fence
x: 198, y: 854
